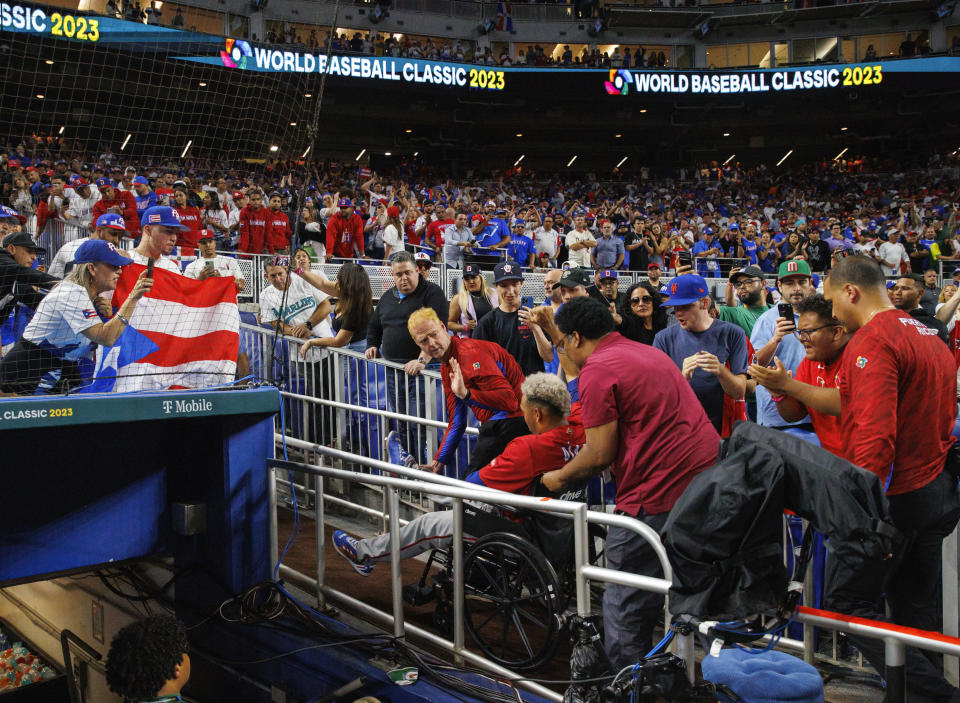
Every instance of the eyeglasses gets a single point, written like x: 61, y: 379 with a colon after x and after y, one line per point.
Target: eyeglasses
x: 563, y: 341
x: 805, y: 334
x: 644, y: 299
x: 747, y: 281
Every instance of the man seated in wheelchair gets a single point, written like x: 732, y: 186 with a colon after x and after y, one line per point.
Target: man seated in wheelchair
x: 557, y: 435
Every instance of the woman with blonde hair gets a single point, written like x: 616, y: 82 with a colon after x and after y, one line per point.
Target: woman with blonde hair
x: 474, y: 300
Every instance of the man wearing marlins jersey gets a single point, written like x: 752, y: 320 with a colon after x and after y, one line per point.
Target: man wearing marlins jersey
x: 294, y: 306
x: 557, y: 435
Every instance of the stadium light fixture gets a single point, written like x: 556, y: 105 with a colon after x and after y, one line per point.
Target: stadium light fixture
x: 360, y: 155
x: 125, y: 142
x: 643, y: 111
x: 274, y: 147
x: 517, y: 162
x: 617, y: 135
x: 305, y: 153
x: 837, y: 157
x: 386, y: 153
x: 726, y: 134
x: 519, y: 134
x: 416, y: 153
x: 784, y: 157
x: 202, y: 84
x: 186, y: 149
x: 622, y: 161
x: 293, y: 124
x: 40, y: 95
x: 408, y: 131
x: 729, y: 159
x: 49, y: 62
x: 61, y: 129
x: 843, y: 129
x: 308, y: 95
x: 570, y: 162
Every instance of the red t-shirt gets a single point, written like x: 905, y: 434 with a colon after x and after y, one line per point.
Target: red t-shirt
x: 435, y: 232
x: 665, y: 437
x: 898, y: 391
x: 529, y: 456
x: 827, y: 427
x: 187, y: 239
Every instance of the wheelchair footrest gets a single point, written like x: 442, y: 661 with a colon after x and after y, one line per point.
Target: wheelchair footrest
x: 418, y: 593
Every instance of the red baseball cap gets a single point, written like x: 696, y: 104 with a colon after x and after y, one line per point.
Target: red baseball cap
x: 238, y: 194
x: 207, y: 234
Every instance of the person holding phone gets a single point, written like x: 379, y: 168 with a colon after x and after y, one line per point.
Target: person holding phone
x: 211, y: 264
x: 509, y: 324
x: 773, y: 338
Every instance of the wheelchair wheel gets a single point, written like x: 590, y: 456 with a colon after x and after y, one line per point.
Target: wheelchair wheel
x: 511, y: 601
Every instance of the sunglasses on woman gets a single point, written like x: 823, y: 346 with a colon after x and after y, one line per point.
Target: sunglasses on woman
x: 643, y: 299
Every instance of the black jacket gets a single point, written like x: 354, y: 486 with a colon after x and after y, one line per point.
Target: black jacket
x: 16, y: 284
x: 724, y: 536
x: 388, y: 326
x: 932, y: 322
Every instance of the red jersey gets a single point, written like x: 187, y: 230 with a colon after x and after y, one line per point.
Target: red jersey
x: 345, y: 236
x: 253, y: 229
x: 278, y: 231
x: 898, y: 391
x: 435, y: 231
x: 826, y: 427
x: 532, y: 455
x: 410, y: 229
x: 954, y: 342
x: 164, y: 195
x: 493, y: 379
x: 187, y: 239
x: 665, y: 437
x: 122, y: 199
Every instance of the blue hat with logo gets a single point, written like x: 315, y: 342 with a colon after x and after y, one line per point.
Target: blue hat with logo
x: 686, y: 289
x: 161, y: 215
x: 345, y: 202
x: 508, y: 270
x: 94, y: 250
x: 104, y: 183
x: 608, y: 273
x: 733, y: 226
x: 519, y: 223
x: 708, y: 230
x: 8, y: 213
x: 140, y: 180
x: 111, y: 220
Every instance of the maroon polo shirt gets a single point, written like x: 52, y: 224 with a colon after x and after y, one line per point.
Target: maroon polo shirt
x: 665, y: 436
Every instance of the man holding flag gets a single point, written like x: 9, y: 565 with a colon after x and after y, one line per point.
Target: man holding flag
x: 183, y: 334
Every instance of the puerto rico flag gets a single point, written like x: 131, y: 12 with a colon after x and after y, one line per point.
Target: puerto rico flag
x: 184, y: 333
x: 504, y: 17
x: 365, y: 172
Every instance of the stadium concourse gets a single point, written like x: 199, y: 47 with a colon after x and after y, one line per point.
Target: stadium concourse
x: 587, y: 338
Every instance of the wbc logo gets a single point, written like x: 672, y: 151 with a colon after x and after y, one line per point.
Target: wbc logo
x: 236, y: 54
x: 619, y: 83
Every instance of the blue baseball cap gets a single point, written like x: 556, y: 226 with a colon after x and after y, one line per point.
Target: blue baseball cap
x: 891, y: 284
x: 161, y: 215
x: 111, y: 220
x: 708, y: 230
x: 608, y: 273
x: 345, y: 202
x: 686, y: 289
x: 733, y: 226
x: 140, y: 180
x: 519, y: 223
x: 8, y: 213
x: 104, y: 183
x: 94, y: 250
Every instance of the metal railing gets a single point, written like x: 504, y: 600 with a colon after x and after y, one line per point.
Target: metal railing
x: 420, y: 481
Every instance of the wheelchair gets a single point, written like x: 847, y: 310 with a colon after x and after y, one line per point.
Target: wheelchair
x: 518, y: 581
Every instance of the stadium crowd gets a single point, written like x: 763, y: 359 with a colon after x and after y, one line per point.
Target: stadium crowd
x: 834, y: 299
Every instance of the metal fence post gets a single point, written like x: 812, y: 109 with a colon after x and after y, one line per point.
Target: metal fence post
x: 396, y: 576
x: 272, y: 501
x: 458, y: 579
x: 581, y: 559
x: 895, y: 656
x: 320, y: 535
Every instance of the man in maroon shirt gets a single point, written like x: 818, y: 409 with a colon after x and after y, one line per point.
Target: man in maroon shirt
x: 345, y: 233
x: 253, y: 225
x: 654, y: 435
x: 898, y: 407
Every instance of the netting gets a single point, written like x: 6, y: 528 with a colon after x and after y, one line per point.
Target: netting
x: 108, y: 123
